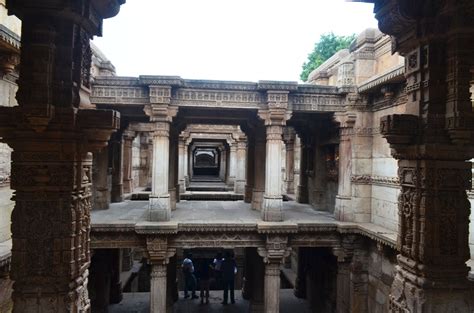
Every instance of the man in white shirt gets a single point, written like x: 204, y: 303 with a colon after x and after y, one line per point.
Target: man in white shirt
x: 189, y: 278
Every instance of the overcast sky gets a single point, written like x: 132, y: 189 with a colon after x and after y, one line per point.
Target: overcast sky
x: 247, y: 40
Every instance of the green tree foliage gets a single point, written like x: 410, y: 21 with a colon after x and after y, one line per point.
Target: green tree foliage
x: 327, y: 45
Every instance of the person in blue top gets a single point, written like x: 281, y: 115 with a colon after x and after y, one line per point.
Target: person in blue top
x: 229, y: 269
x: 189, y: 278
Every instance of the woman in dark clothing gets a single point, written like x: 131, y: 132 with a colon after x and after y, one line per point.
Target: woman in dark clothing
x: 229, y: 269
x: 204, y: 279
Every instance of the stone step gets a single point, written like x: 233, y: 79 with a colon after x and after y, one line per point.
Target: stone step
x: 211, y: 196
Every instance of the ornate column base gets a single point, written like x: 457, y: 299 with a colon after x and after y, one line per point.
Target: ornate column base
x: 248, y: 194
x: 173, y: 198
x: 406, y: 296
x: 159, y: 208
x: 342, y: 211
x: 182, y: 186
x: 257, y: 199
x: 256, y: 307
x: 239, y: 186
x: 302, y: 196
x: 272, y: 210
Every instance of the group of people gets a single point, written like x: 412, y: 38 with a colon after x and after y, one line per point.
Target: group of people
x: 221, y: 270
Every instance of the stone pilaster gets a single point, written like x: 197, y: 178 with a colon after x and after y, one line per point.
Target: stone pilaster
x: 343, y: 209
x: 127, y: 139
x: 259, y: 174
x: 116, y: 150
x: 52, y: 137
x: 433, y: 142
x: 159, y: 256
x: 289, y: 138
x: 306, y: 151
x: 100, y: 180
x: 161, y: 115
x: 273, y: 256
x: 239, y: 186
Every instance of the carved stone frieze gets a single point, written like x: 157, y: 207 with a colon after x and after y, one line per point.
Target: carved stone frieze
x: 216, y: 240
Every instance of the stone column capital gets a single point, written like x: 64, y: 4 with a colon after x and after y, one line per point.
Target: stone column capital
x: 274, y: 116
x: 160, y: 112
x: 276, y: 250
x: 158, y: 251
x: 129, y: 135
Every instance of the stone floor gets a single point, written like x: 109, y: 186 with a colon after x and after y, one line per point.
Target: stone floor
x: 139, y: 303
x: 134, y: 214
x: 205, y: 211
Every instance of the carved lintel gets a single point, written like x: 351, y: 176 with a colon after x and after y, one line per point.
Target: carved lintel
x: 161, y: 112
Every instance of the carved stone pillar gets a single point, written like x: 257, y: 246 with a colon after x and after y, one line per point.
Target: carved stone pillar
x: 115, y: 260
x: 116, y: 150
x: 181, y: 165
x: 161, y: 115
x: 127, y: 139
x: 289, y: 138
x: 173, y: 170
x: 433, y: 142
x: 343, y: 210
x: 186, y: 164
x: 223, y: 163
x: 306, y: 151
x: 275, y: 119
x: 51, y: 165
x: 343, y: 299
x: 273, y: 256
x: 100, y: 180
x: 232, y: 164
x: 250, y: 169
x: 239, y: 186
x: 259, y: 174
x: 254, y: 280
x: 300, y: 283
x: 159, y: 257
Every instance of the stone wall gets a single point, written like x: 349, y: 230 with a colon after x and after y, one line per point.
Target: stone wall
x: 381, y: 271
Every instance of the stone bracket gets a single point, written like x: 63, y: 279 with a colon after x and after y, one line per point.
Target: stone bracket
x: 399, y: 129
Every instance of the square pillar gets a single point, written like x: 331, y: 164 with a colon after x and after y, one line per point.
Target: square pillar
x: 127, y: 139
x: 241, y: 153
x: 259, y: 166
x: 181, y: 165
x: 273, y: 255
x: 250, y: 179
x: 232, y: 164
x: 160, y: 205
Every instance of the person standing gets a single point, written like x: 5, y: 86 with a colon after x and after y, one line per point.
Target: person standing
x: 189, y: 278
x: 217, y: 265
x: 229, y: 269
x: 204, y: 279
